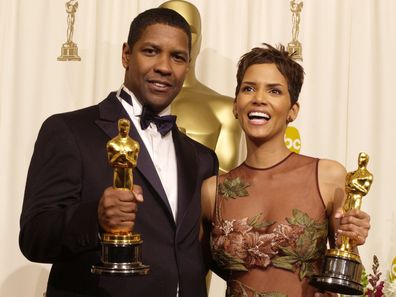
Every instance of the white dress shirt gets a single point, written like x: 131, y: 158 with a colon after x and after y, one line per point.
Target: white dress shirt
x: 161, y: 148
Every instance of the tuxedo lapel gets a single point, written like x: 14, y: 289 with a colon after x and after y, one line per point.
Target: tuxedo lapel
x: 111, y: 110
x: 186, y: 172
x: 146, y: 166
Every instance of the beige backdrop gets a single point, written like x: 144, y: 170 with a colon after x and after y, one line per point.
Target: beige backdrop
x: 347, y: 102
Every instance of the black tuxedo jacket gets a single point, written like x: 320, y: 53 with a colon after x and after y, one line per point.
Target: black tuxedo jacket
x: 67, y: 175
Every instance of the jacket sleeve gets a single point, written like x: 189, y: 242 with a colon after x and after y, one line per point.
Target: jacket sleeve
x: 55, y: 223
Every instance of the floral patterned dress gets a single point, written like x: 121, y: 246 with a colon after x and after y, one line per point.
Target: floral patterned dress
x: 270, y: 228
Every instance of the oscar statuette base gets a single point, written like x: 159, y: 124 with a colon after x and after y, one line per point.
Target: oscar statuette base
x: 296, y: 48
x: 69, y: 52
x: 341, y: 273
x: 121, y: 255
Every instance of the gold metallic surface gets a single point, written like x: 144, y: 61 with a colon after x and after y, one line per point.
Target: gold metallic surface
x: 69, y: 51
x: 121, y: 249
x: 392, y: 274
x: 122, y: 153
x: 343, y: 254
x: 295, y: 45
x: 357, y: 185
x: 128, y: 238
x: 204, y: 114
x: 342, y: 268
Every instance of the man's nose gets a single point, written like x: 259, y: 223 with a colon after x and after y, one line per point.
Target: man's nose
x: 163, y: 65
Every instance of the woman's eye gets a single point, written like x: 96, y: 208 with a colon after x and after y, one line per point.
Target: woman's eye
x: 247, y: 89
x: 275, y: 91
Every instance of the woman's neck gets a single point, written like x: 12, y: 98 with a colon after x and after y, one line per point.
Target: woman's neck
x: 266, y: 155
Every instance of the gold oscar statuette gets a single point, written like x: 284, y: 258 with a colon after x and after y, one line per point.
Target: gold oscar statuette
x: 342, y: 268
x: 294, y: 46
x: 69, y: 50
x: 202, y: 113
x: 121, y: 249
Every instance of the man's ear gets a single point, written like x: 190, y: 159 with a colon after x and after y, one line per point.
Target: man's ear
x: 126, y: 53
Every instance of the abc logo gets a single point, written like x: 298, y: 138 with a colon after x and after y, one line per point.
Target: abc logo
x: 393, y: 270
x: 292, y: 139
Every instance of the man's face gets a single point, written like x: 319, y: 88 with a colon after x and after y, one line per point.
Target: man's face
x: 157, y: 65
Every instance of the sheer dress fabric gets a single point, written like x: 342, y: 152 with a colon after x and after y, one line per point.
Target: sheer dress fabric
x: 269, y: 228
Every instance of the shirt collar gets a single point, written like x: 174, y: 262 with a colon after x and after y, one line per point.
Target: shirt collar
x: 136, y: 105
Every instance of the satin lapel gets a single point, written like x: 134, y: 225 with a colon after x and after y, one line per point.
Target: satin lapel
x: 111, y: 110
x: 186, y: 172
x: 146, y: 166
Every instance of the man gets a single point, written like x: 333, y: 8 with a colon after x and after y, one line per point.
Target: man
x: 68, y: 198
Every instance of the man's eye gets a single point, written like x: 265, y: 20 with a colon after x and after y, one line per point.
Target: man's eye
x: 149, y: 51
x: 180, y: 58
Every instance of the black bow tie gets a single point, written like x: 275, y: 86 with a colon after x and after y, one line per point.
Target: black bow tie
x: 164, y: 124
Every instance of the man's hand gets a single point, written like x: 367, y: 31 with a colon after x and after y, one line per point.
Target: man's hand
x: 354, y: 224
x: 117, y: 209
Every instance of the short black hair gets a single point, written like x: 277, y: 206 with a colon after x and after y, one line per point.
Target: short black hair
x: 154, y: 16
x: 290, y: 69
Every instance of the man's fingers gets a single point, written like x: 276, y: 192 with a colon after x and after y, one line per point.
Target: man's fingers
x: 127, y: 207
x: 117, y: 210
x: 138, y: 193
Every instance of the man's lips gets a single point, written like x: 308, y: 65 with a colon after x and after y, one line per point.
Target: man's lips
x: 160, y: 85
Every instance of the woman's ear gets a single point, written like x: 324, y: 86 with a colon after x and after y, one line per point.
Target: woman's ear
x: 234, y: 110
x: 293, y: 112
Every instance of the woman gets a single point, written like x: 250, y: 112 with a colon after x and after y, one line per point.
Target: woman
x: 270, y: 218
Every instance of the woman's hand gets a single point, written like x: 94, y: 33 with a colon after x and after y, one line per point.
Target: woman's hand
x: 354, y: 224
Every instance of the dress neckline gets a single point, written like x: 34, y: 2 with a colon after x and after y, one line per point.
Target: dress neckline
x: 267, y: 168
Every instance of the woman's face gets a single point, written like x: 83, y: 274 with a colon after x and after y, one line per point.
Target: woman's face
x: 263, y: 103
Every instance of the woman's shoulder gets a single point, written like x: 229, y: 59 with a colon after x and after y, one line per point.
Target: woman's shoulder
x: 331, y: 170
x: 208, y: 196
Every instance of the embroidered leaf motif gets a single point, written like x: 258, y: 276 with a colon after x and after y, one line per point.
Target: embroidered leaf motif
x: 258, y: 223
x: 300, y: 218
x: 285, y: 262
x: 308, y: 247
x: 306, y: 270
x: 233, y: 188
x: 227, y: 261
x: 288, y: 251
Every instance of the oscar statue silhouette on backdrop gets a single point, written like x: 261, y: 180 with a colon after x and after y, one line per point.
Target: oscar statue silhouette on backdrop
x: 69, y: 51
x: 294, y: 45
x: 203, y: 114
